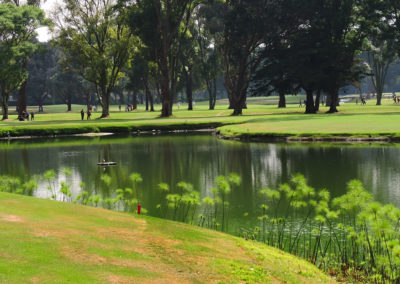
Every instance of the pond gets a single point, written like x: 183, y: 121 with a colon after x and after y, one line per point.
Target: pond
x: 198, y: 159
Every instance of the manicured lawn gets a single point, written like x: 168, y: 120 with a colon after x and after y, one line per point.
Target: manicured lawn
x: 45, y: 241
x: 260, y: 118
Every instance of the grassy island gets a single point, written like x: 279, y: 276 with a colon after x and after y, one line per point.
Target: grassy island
x: 262, y: 120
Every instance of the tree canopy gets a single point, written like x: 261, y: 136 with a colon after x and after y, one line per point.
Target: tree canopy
x: 96, y: 44
x: 18, y: 26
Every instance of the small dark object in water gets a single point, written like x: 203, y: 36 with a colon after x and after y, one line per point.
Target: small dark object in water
x: 106, y: 163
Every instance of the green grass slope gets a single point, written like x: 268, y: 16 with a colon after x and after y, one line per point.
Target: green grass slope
x: 44, y: 241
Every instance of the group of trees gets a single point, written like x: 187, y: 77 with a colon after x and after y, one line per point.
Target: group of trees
x: 168, y: 46
x: 18, y: 24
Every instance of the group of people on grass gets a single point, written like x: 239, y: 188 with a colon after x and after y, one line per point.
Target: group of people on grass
x: 25, y: 116
x: 128, y: 107
x: 88, y: 113
x: 395, y: 98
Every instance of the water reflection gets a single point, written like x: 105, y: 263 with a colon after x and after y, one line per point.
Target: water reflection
x: 199, y: 159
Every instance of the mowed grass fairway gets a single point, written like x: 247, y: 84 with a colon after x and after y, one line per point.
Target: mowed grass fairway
x: 260, y: 118
x: 45, y: 241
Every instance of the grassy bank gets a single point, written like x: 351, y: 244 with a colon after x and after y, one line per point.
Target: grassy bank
x: 260, y: 120
x: 52, y: 242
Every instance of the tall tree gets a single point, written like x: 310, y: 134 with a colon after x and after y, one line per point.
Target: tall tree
x: 189, y: 60
x: 242, y: 36
x: 67, y: 85
x: 41, y: 68
x: 18, y: 26
x: 22, y: 96
x: 272, y: 78
x: 96, y: 43
x: 209, y: 26
x: 138, y: 75
x: 343, y: 25
x: 391, y: 18
x: 164, y: 36
x: 380, y: 54
x: 277, y: 72
x: 318, y: 43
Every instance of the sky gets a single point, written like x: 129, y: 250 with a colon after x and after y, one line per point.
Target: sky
x: 43, y: 32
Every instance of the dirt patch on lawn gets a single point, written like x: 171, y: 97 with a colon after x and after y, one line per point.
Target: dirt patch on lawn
x: 12, y: 218
x: 79, y: 256
x: 54, y: 233
x: 41, y: 279
x: 159, y: 279
x: 117, y: 279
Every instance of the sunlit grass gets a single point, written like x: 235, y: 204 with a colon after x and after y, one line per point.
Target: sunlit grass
x: 260, y: 118
x: 51, y: 242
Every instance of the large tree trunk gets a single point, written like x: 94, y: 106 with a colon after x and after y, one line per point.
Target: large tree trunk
x: 310, y: 108
x: 236, y: 82
x: 334, y: 101
x: 236, y: 86
x: 4, y: 105
x: 105, y: 103
x: 282, y: 100
x: 189, y: 89
x: 378, y: 97
x: 165, y: 104
x: 212, y: 93
x: 69, y: 102
x: 22, y: 98
x: 380, y: 69
x: 151, y: 101
x: 173, y: 95
x: 149, y: 96
x: 147, y: 101
x: 166, y: 94
x: 88, y: 100
x: 317, y: 100
x: 239, y: 102
x: 134, y: 101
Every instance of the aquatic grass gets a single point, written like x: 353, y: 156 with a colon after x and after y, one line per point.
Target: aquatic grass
x: 16, y: 185
x: 183, y: 205
x: 49, y: 176
x: 162, y: 188
x: 350, y: 236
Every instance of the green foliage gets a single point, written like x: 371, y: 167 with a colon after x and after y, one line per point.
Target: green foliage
x: 183, y: 205
x: 29, y: 187
x: 65, y: 190
x: 50, y: 176
x: 163, y: 187
x: 165, y: 32
x: 18, y: 26
x: 96, y: 44
x: 82, y: 198
x: 9, y: 184
x: 106, y: 179
x: 351, y: 231
x: 216, y: 208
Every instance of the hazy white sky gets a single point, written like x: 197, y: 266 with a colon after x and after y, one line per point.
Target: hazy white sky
x: 43, y: 33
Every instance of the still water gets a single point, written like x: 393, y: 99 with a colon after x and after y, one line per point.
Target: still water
x: 199, y: 159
